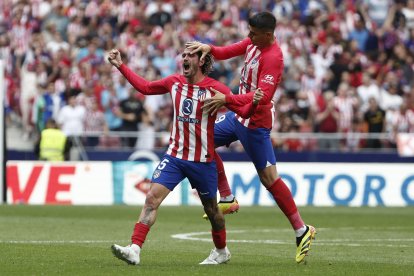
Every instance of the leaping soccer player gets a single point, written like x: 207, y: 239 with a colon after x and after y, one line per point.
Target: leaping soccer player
x: 191, y: 149
x: 263, y: 67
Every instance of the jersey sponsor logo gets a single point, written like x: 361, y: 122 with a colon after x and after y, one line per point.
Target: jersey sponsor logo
x: 268, y: 79
x: 187, y: 107
x: 188, y: 120
x: 201, y: 95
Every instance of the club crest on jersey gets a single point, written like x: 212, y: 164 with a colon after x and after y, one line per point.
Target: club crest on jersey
x: 156, y: 174
x: 201, y: 95
x: 254, y: 62
x: 187, y: 107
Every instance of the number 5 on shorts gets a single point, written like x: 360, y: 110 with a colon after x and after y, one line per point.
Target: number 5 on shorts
x: 163, y: 164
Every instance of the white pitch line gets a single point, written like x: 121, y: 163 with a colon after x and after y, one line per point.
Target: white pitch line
x: 62, y: 242
x: 337, y: 242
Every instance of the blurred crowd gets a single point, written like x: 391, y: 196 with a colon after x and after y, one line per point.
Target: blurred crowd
x: 348, y: 65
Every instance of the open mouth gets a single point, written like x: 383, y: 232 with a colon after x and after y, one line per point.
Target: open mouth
x: 186, y: 67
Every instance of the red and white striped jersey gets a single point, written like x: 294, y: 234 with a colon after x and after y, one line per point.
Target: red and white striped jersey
x: 192, y: 135
x: 262, y: 69
x: 346, y: 111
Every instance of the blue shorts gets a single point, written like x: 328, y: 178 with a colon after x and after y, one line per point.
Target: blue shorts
x: 256, y: 142
x: 202, y: 176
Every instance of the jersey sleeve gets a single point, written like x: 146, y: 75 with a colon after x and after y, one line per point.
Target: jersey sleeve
x: 245, y: 107
x: 233, y: 50
x: 142, y: 85
x: 239, y: 99
x: 270, y: 75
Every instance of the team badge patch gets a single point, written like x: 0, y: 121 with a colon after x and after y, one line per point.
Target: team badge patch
x: 253, y: 63
x: 156, y: 174
x: 201, y: 95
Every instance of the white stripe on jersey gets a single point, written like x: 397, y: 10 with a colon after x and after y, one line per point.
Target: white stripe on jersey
x: 244, y: 122
x: 245, y: 70
x: 204, y: 136
x: 255, y: 70
x: 249, y: 70
x: 174, y: 129
x: 191, y: 128
x: 181, y: 139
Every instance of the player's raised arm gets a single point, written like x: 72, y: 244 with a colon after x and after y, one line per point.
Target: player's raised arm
x: 139, y: 83
x: 219, y: 52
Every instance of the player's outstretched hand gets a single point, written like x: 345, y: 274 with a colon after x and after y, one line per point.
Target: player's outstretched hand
x: 196, y: 46
x: 213, y: 104
x: 114, y: 57
x: 258, y: 95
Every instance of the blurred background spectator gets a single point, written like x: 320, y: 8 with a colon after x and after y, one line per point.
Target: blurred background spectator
x: 52, y: 144
x: 339, y: 55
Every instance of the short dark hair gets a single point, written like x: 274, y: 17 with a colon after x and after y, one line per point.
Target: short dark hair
x: 51, y: 123
x: 207, y: 67
x: 265, y: 21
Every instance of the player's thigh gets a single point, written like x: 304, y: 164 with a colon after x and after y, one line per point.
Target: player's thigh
x: 168, y: 172
x: 258, y: 145
x: 203, y: 178
x: 224, y: 132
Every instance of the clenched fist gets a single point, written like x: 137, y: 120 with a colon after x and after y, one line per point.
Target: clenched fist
x: 114, y: 58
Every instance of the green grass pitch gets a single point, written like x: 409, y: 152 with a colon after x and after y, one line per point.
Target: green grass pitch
x: 76, y: 240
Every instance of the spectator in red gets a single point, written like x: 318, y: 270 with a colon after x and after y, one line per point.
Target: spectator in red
x: 327, y: 121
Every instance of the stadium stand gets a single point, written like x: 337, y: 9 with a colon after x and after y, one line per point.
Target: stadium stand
x: 355, y: 50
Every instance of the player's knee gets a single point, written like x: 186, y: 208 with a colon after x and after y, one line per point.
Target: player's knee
x: 266, y: 180
x: 268, y: 176
x: 209, y: 209
x: 152, y: 201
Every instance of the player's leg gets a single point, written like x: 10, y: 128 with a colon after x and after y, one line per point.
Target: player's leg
x: 284, y: 199
x: 220, y: 254
x: 168, y: 175
x: 228, y: 203
x: 131, y: 253
x: 224, y: 135
x: 258, y: 146
x: 203, y: 177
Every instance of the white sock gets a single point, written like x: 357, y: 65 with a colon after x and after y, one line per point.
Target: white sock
x: 299, y: 232
x: 227, y: 198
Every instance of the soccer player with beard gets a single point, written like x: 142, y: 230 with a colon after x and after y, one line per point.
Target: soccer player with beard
x: 191, y: 149
x: 263, y: 67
